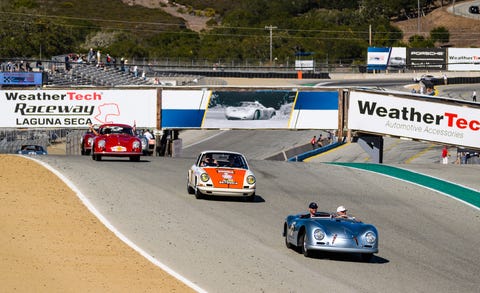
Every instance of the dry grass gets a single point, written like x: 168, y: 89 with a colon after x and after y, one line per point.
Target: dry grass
x: 463, y: 30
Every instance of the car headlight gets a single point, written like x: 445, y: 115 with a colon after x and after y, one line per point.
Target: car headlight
x: 370, y: 237
x: 136, y: 144
x: 318, y: 234
x: 204, y: 177
x: 251, y: 179
x: 144, y: 142
x: 101, y: 143
x: 90, y: 141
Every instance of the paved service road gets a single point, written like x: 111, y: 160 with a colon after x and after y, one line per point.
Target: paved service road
x: 428, y: 242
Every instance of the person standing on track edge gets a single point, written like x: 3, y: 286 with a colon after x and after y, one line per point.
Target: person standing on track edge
x: 313, y: 141
x: 445, y: 155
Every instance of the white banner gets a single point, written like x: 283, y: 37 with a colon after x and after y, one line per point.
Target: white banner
x: 76, y: 108
x: 423, y: 120
x: 463, y: 59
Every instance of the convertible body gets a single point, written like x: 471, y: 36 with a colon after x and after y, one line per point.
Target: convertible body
x: 324, y: 232
x: 116, y: 140
x: 227, y: 174
x: 249, y: 111
x: 31, y: 149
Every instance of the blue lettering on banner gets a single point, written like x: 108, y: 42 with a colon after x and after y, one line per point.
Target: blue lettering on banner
x: 317, y: 101
x: 178, y: 118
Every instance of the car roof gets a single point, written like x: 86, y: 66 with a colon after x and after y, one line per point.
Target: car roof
x: 220, y: 151
x: 116, y: 124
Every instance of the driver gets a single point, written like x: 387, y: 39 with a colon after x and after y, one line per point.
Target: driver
x: 209, y: 161
x: 312, y: 210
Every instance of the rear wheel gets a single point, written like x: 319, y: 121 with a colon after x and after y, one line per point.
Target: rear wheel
x: 256, y: 115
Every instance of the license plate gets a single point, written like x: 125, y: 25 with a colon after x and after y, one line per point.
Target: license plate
x: 119, y: 149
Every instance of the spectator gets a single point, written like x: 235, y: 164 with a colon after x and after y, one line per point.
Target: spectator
x: 90, y: 55
x: 135, y: 70
x: 99, y: 56
x: 148, y: 134
x: 122, y: 64
x: 445, y: 155
x: 474, y: 96
x: 319, y: 140
x: 313, y: 141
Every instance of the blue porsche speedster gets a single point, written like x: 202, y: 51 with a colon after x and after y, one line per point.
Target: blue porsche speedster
x: 325, y: 232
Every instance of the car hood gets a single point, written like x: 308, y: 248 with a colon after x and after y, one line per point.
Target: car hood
x: 118, y: 138
x: 226, y: 177
x: 343, y: 229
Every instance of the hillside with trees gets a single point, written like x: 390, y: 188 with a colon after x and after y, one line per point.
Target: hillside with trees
x: 330, y: 31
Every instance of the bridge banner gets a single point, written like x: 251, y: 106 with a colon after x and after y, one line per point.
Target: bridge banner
x: 71, y: 108
x: 315, y: 110
x: 249, y: 109
x: 417, y: 117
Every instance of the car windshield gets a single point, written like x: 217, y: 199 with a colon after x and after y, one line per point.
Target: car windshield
x: 249, y: 104
x: 223, y: 160
x: 117, y: 130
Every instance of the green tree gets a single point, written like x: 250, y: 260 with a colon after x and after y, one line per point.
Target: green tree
x: 417, y: 41
x: 440, y: 34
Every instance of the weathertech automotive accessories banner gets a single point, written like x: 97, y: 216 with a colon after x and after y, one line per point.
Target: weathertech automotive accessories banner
x: 418, y: 119
x: 72, y: 108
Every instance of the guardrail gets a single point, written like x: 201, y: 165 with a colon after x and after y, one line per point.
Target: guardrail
x: 314, y: 152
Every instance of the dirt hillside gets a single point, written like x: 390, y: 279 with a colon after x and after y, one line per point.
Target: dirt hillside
x: 463, y: 30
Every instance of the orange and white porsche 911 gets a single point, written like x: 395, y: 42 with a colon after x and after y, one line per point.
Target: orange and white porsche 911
x: 221, y: 173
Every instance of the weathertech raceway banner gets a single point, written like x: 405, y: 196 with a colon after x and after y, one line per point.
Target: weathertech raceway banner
x: 249, y: 109
x: 72, y: 108
x: 418, y: 119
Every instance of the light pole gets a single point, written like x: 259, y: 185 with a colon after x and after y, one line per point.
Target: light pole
x: 271, y: 28
x: 418, y: 16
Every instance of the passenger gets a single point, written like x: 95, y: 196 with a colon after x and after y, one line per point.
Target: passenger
x: 90, y: 126
x: 233, y: 162
x: 341, y: 212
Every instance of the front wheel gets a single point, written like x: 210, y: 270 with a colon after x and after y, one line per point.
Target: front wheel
x: 256, y: 115
x: 285, y: 231
x: 135, y: 158
x: 367, y: 257
x: 190, y: 189
x: 303, y: 242
x: 96, y: 157
x: 198, y: 194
